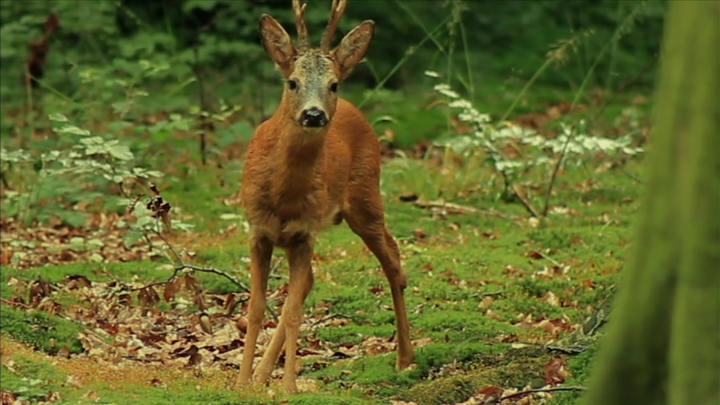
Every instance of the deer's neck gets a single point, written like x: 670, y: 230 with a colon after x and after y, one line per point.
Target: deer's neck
x: 300, y: 158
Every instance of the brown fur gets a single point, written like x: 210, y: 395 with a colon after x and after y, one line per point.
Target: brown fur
x: 298, y: 181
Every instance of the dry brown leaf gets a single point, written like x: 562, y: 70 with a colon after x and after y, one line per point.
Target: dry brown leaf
x: 551, y: 299
x: 556, y: 371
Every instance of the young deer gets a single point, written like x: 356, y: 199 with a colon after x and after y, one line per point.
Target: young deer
x: 315, y: 162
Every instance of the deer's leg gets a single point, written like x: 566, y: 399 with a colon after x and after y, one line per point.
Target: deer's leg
x: 301, y: 279
x: 260, y: 254
x: 267, y: 363
x: 366, y: 219
x: 299, y: 256
x: 269, y: 359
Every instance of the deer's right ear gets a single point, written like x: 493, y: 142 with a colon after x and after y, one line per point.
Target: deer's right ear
x: 277, y: 43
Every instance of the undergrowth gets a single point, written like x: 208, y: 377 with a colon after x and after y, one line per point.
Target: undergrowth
x: 122, y: 199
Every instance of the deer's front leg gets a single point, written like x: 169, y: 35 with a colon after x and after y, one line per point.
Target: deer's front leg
x: 267, y: 363
x: 260, y: 254
x: 299, y: 257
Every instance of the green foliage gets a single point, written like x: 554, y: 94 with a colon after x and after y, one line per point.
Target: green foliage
x: 504, y: 39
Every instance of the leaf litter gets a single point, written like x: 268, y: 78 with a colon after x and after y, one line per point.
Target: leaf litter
x: 125, y: 327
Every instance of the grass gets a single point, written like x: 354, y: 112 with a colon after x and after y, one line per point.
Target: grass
x: 479, y: 284
x: 452, y: 264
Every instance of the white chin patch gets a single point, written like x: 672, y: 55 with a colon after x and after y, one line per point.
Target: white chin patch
x: 314, y: 129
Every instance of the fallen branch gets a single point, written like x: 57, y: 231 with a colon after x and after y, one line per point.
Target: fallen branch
x: 574, y: 350
x: 453, y: 208
x: 533, y: 391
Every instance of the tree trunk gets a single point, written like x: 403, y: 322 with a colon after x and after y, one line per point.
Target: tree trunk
x: 663, y: 344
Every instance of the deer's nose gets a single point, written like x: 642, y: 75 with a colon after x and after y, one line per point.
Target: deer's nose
x: 313, y: 117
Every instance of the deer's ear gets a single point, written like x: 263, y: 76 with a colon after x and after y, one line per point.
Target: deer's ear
x: 277, y: 43
x: 353, y: 47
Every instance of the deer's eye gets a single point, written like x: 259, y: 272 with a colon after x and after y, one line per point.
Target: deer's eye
x: 334, y: 87
x: 292, y: 84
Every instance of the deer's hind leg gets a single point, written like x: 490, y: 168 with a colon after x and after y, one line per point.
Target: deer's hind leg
x: 365, y: 217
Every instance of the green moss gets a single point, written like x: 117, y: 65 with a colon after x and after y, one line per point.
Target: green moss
x: 38, y: 329
x: 580, y: 367
x: 325, y: 399
x: 505, y: 368
x: 31, y: 378
x: 449, y: 390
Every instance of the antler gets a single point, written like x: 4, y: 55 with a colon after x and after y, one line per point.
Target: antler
x: 299, y: 10
x: 338, y: 8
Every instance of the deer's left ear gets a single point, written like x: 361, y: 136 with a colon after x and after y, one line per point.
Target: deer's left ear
x: 353, y: 47
x: 277, y: 43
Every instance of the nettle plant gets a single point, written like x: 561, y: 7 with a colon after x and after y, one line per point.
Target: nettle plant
x: 573, y: 143
x: 95, y: 167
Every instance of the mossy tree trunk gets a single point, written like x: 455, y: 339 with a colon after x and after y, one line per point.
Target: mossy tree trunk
x: 663, y: 344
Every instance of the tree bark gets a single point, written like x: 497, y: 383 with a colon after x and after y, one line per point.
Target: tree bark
x: 663, y: 344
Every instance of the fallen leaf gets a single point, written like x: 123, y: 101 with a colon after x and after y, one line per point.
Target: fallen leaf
x: 556, y: 371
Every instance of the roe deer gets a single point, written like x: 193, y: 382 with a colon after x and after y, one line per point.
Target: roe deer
x: 315, y: 162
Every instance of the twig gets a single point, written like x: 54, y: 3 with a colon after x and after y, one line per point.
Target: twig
x: 555, y: 171
x: 213, y: 270
x: 275, y: 266
x: 533, y: 391
x: 646, y: 68
x: 548, y: 258
x: 632, y: 176
x: 328, y: 318
x: 457, y: 208
x: 157, y: 283
x: 567, y: 350
x: 487, y: 294
x: 15, y: 304
x: 526, y: 202
x: 157, y: 232
x: 621, y: 167
x: 229, y: 277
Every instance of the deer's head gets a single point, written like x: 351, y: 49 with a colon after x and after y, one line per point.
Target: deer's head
x: 312, y: 75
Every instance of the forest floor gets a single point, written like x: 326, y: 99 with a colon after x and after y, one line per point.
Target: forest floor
x: 500, y: 301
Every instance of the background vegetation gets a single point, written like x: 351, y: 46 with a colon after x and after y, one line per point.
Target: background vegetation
x: 530, y: 117
x: 487, y: 48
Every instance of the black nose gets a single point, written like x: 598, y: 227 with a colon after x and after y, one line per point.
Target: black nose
x: 313, y: 117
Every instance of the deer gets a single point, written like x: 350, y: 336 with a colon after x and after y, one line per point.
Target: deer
x: 314, y: 163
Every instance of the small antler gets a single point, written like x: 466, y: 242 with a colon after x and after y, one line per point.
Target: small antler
x: 303, y: 37
x: 338, y: 8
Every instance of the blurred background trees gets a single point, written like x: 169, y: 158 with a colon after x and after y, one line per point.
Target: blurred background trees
x: 473, y: 42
